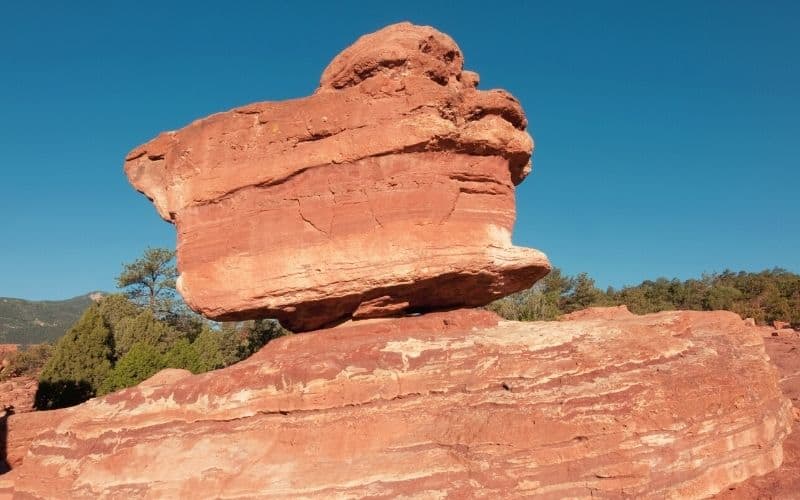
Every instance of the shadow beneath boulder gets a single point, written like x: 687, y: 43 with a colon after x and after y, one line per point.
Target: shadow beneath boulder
x: 62, y: 393
x: 7, y: 412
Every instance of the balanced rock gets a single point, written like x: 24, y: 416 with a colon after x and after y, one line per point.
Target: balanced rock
x: 456, y: 405
x: 390, y: 190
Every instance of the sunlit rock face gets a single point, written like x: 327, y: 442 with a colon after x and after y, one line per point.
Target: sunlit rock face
x: 389, y: 190
x: 444, y: 405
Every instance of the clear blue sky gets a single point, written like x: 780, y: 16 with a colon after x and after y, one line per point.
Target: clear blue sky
x: 667, y: 134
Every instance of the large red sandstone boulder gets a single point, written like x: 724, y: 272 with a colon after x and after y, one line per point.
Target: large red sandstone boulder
x: 459, y: 404
x: 389, y: 190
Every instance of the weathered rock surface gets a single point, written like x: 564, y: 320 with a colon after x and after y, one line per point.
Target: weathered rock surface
x: 389, y: 190
x: 17, y: 394
x: 460, y: 404
x: 7, y: 351
x: 782, y: 483
x: 22, y: 428
x: 613, y: 312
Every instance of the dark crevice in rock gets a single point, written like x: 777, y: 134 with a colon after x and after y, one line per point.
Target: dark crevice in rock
x: 324, y: 135
x: 448, y: 287
x: 510, y: 115
x: 307, y: 220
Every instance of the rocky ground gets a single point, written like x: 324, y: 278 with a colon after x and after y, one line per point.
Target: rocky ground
x: 17, y: 394
x: 679, y: 404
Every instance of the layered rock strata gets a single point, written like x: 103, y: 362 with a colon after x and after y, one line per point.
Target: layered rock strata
x: 458, y: 404
x: 389, y: 190
x: 782, y: 483
x: 21, y: 429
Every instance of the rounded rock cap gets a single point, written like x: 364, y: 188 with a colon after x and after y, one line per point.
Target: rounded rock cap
x: 402, y: 49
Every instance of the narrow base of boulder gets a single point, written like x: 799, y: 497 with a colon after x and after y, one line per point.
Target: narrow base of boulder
x: 461, y: 404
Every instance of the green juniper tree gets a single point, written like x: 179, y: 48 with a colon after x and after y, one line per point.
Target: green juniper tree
x: 124, y: 339
x: 144, y: 328
x: 183, y: 354
x: 81, y: 360
x: 140, y: 362
x: 766, y: 296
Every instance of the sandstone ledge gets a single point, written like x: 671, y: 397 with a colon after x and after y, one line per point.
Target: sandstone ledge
x: 677, y: 404
x: 782, y: 483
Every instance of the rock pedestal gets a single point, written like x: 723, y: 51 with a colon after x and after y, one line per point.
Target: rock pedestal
x: 459, y: 405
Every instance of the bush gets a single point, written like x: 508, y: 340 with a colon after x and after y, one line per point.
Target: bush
x: 766, y: 296
x: 117, y: 344
x: 183, y: 355
x: 143, y: 328
x: 141, y: 362
x: 81, y: 360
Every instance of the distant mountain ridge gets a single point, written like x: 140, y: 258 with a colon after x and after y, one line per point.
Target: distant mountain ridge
x: 36, y: 321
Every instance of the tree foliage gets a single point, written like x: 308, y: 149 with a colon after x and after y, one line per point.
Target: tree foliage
x: 141, y: 361
x: 144, y: 328
x: 150, y: 280
x: 117, y: 344
x: 765, y: 296
x: 124, y: 339
x: 81, y: 360
x: 183, y: 354
x: 542, y: 302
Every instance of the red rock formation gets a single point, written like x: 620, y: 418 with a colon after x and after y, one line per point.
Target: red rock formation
x: 389, y: 190
x: 7, y: 351
x: 22, y: 429
x: 18, y: 393
x: 784, y: 482
x: 459, y: 404
x: 613, y: 312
